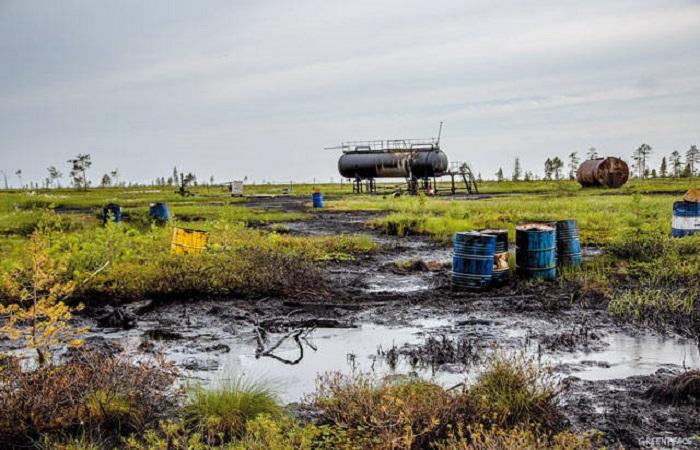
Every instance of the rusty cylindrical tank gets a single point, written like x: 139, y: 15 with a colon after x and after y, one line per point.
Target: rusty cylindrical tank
x: 609, y: 172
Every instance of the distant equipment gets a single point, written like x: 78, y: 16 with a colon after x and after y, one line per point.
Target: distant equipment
x: 608, y: 172
x: 405, y: 158
x: 419, y: 161
x: 237, y: 188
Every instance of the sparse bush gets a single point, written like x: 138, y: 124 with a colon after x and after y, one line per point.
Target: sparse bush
x: 401, y: 414
x: 221, y: 414
x: 90, y: 391
x: 266, y: 433
x: 521, y: 438
x: 514, y: 390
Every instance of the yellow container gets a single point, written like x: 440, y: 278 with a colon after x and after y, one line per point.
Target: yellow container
x: 188, y: 242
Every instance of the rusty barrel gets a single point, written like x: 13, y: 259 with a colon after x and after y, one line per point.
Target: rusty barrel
x: 608, y: 172
x: 501, y: 270
x: 472, y: 261
x: 536, y: 251
x: 568, y: 243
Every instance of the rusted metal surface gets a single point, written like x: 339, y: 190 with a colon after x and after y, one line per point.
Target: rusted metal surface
x: 692, y: 196
x: 609, y: 172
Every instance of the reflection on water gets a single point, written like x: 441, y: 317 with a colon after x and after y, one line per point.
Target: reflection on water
x: 356, y: 349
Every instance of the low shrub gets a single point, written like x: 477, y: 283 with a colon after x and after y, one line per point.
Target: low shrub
x: 221, y: 414
x: 399, y: 414
x: 514, y: 390
x: 90, y: 391
x: 521, y: 438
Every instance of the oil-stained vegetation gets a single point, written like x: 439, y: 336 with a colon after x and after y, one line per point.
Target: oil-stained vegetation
x: 59, y: 259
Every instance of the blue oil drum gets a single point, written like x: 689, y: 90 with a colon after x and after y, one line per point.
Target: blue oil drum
x: 501, y: 270
x: 536, y: 251
x: 472, y: 261
x: 160, y: 212
x: 568, y: 243
x: 317, y: 199
x: 111, y: 212
x: 686, y: 219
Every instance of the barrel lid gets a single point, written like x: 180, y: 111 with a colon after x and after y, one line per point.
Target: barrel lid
x: 494, y: 231
x: 534, y: 227
x: 692, y: 196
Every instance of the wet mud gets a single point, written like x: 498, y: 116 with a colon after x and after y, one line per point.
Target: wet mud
x: 393, y: 313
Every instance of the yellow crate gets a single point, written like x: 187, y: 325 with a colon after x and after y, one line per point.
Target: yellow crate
x: 188, y: 242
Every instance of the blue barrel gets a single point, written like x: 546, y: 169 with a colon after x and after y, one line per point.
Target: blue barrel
x: 501, y: 270
x: 472, y: 261
x: 159, y: 212
x: 317, y: 199
x: 568, y: 243
x: 536, y: 251
x: 111, y: 212
x: 686, y: 219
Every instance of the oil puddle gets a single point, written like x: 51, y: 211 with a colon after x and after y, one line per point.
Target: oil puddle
x: 626, y: 356
x: 396, y: 350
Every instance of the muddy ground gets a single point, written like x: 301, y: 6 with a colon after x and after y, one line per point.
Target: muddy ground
x: 395, y: 319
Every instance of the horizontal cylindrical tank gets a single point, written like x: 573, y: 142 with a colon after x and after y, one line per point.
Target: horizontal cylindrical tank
x: 609, y: 172
x: 375, y: 164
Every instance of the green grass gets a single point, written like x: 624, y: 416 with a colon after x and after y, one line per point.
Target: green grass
x: 602, y: 218
x: 222, y: 413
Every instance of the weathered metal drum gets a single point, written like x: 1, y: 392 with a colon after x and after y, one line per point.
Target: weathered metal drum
x: 568, y: 243
x: 111, y: 212
x: 686, y: 219
x: 160, y: 212
x: 608, y: 172
x: 501, y: 269
x: 536, y: 251
x: 472, y: 262
x: 317, y: 199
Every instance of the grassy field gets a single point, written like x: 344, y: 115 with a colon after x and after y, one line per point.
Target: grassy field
x: 54, y: 240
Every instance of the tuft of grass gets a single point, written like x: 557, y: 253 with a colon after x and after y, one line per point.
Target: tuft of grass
x: 222, y: 413
x: 514, y: 390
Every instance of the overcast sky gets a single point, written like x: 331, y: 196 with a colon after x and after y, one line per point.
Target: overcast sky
x: 258, y: 88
